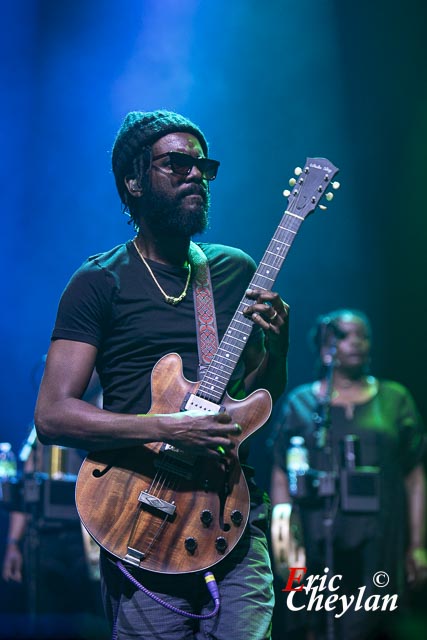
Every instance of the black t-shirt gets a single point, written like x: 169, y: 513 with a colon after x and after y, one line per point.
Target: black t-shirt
x: 112, y: 303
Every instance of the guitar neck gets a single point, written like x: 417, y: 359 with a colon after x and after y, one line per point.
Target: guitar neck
x: 220, y: 370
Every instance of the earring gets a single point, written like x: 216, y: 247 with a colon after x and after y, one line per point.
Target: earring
x: 134, y: 187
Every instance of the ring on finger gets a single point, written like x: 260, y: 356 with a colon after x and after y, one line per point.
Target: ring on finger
x: 274, y: 316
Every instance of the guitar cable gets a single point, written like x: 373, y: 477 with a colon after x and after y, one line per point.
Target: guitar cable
x: 210, y: 583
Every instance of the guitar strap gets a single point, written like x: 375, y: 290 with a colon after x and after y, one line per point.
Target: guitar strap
x: 206, y: 329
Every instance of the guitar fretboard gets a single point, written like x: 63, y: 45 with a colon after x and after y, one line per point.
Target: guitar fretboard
x: 220, y: 370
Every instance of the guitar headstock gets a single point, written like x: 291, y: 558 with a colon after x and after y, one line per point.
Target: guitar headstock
x: 310, y: 186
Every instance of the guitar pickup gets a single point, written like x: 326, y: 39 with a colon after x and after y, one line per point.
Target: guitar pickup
x: 191, y: 401
x: 157, y: 503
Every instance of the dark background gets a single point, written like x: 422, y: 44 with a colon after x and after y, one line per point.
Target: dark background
x: 270, y: 83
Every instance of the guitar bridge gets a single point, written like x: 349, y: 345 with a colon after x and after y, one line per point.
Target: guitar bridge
x: 157, y: 503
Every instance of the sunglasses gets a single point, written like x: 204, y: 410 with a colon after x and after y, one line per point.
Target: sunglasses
x: 182, y: 164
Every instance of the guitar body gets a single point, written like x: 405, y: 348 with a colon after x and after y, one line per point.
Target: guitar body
x: 165, y: 511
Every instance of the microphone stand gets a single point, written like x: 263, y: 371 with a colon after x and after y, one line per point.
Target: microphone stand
x: 323, y: 441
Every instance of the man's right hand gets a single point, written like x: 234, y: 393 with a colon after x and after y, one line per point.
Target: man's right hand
x: 202, y: 433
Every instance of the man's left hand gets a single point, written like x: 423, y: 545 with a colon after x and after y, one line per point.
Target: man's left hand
x: 269, y: 311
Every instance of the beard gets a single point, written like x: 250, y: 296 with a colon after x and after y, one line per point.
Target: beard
x: 178, y: 215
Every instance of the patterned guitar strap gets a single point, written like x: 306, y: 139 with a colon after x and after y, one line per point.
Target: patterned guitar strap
x: 207, y: 334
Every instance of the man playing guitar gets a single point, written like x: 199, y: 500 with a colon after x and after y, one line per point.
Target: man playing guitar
x: 122, y: 311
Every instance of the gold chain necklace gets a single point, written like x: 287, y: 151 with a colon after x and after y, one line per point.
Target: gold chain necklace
x: 169, y: 299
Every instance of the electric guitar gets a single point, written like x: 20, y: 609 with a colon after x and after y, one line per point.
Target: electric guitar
x: 158, y: 508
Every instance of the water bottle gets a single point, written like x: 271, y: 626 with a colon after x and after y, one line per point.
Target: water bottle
x: 7, y: 461
x: 296, y: 462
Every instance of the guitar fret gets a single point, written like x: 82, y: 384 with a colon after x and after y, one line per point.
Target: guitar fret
x: 236, y: 338
x: 267, y: 277
x: 230, y: 334
x: 245, y: 321
x: 270, y: 265
x: 280, y: 241
x: 235, y: 349
x: 294, y: 215
x: 217, y: 379
x: 232, y: 331
x: 274, y: 254
x: 223, y: 363
x: 286, y: 229
x: 214, y: 377
x: 227, y: 357
x: 213, y: 394
x: 263, y: 279
x: 213, y: 384
x: 246, y: 328
x: 225, y: 344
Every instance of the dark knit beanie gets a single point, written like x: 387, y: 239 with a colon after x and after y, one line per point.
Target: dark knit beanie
x: 141, y: 129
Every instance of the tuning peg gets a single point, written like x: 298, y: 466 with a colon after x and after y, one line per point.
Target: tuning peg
x: 298, y: 171
x: 322, y: 206
x: 335, y: 185
x: 292, y: 182
x: 286, y: 193
x: 329, y: 196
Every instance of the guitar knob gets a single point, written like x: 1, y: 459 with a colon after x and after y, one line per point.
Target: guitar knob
x: 206, y: 517
x: 236, y: 517
x: 190, y: 544
x: 221, y: 544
